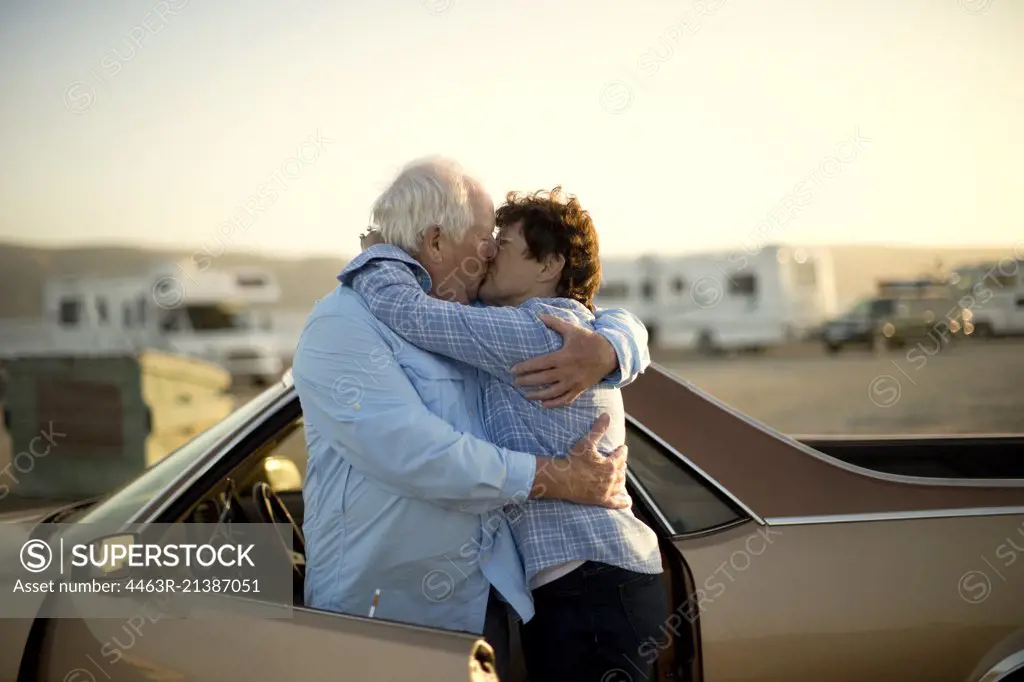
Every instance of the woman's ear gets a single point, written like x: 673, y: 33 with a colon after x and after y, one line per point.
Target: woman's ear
x: 552, y: 270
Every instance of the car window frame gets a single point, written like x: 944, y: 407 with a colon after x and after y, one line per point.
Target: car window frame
x: 183, y: 482
x: 744, y: 513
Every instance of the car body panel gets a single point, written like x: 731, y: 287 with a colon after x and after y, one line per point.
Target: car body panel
x: 14, y: 632
x: 842, y: 573
x: 1004, y: 658
x: 777, y: 477
x: 837, y: 572
x: 922, y: 599
x: 307, y: 646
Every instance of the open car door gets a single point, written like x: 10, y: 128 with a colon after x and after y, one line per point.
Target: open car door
x: 310, y: 645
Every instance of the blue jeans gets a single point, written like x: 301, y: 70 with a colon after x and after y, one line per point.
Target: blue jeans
x: 590, y: 624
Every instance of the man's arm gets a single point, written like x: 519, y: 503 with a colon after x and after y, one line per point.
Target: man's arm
x: 490, y: 338
x: 620, y: 333
x: 626, y: 335
x: 352, y: 388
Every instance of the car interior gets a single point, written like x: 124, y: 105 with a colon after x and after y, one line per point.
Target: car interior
x: 263, y: 483
x: 994, y: 456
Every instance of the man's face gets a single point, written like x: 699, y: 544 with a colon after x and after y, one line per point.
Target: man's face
x: 514, y: 275
x: 464, y: 264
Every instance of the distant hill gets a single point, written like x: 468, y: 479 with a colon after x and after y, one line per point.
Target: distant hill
x: 23, y: 269
x: 857, y: 268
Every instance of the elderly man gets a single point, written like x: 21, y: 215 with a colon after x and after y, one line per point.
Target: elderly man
x: 399, y: 474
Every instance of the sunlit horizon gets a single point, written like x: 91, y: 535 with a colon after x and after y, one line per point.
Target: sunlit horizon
x: 682, y: 128
x: 215, y: 249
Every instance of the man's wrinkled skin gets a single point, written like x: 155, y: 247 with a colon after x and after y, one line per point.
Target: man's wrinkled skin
x: 586, y: 474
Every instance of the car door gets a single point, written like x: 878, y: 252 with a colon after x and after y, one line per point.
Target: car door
x: 240, y: 638
x: 229, y: 644
x: 310, y: 645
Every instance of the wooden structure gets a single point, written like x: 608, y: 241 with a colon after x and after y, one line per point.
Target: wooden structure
x: 82, y: 426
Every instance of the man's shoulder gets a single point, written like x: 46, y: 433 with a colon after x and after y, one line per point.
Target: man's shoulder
x: 340, y: 328
x: 342, y: 306
x: 388, y: 259
x: 340, y: 301
x: 344, y: 318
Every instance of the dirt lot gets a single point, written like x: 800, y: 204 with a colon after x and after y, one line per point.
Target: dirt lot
x: 968, y: 388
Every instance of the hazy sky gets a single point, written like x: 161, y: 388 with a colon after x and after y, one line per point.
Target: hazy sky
x: 680, y: 125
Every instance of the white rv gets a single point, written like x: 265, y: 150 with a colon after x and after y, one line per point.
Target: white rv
x: 992, y: 296
x: 726, y: 300
x: 202, y: 313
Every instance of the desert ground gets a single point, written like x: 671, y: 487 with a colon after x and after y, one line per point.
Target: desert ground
x: 964, y: 388
x: 969, y: 387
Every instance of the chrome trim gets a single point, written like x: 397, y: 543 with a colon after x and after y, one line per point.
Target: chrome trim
x: 911, y: 437
x: 334, y: 615
x: 166, y: 497
x: 846, y: 466
x: 718, y: 486
x: 395, y: 625
x: 649, y: 501
x: 713, y: 530
x: 1004, y: 668
x: 892, y: 516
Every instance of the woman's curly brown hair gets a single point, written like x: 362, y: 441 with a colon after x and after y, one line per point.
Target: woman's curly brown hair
x: 556, y: 225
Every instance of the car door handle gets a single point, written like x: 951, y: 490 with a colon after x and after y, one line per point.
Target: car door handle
x: 482, y: 667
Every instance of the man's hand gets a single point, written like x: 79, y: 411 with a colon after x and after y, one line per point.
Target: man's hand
x: 370, y: 238
x: 586, y: 476
x: 584, y: 360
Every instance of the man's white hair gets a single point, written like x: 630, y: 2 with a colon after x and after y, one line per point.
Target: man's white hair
x: 429, y: 191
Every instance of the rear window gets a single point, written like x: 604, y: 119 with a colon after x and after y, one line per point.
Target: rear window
x: 688, y: 502
x: 885, y: 307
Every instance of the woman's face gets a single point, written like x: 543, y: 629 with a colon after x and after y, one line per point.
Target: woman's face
x: 513, y: 275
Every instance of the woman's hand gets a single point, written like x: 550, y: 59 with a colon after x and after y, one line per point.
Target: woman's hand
x: 371, y: 237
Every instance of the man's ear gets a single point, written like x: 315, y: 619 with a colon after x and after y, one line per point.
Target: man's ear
x: 431, y: 248
x: 552, y: 270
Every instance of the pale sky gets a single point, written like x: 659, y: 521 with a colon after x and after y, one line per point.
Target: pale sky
x: 681, y: 126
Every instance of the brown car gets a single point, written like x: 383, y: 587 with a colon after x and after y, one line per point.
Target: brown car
x: 810, y: 559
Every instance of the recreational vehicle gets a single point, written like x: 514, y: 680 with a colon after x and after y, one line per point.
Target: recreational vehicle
x: 176, y: 307
x: 992, y: 295
x: 632, y: 283
x: 738, y: 300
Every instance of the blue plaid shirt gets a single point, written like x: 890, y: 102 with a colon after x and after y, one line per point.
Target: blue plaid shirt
x: 493, y: 339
